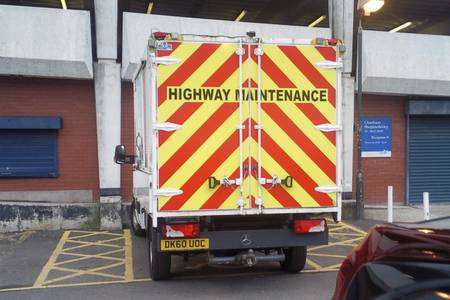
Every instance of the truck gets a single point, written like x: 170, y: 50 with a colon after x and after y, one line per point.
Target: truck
x: 237, y: 148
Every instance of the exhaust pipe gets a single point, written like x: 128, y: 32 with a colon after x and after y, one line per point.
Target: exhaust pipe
x: 249, y: 258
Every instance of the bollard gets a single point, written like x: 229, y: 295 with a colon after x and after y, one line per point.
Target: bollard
x: 390, y: 205
x: 426, y: 206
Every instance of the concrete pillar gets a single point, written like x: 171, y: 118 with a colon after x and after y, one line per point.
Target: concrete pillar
x: 108, y: 109
x: 106, y: 28
x: 341, y: 24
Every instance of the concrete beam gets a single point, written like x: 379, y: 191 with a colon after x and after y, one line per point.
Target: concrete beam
x: 406, y: 64
x: 45, y: 42
x: 138, y: 27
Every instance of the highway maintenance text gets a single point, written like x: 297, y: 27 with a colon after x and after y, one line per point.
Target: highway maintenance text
x: 268, y: 95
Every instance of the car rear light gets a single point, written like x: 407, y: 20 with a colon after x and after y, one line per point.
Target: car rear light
x: 187, y: 230
x: 306, y: 226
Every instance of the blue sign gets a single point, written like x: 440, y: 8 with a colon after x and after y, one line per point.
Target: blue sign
x: 376, y: 137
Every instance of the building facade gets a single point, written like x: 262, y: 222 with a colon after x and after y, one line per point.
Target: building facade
x: 66, y: 100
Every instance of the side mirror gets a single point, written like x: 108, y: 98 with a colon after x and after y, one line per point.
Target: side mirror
x: 120, y: 155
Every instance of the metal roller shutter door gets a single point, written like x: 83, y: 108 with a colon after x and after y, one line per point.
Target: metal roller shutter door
x: 28, y: 153
x: 429, y: 158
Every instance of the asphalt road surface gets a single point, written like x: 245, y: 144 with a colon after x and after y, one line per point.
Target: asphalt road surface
x: 113, y: 265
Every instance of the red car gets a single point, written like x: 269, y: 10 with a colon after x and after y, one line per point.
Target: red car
x: 398, y: 261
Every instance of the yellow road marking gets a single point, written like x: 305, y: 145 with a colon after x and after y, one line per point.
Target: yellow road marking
x: 340, y: 243
x: 334, y: 229
x: 129, y: 272
x: 326, y: 255
x: 93, y: 233
x: 72, y: 284
x: 128, y: 277
x: 313, y: 264
x: 62, y: 249
x: 345, y: 233
x: 86, y: 256
x: 77, y: 272
x: 41, y: 278
x: 87, y: 235
x: 354, y: 228
x: 87, y: 244
x: 16, y: 237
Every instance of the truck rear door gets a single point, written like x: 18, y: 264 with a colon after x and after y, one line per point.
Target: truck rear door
x: 294, y: 156
x: 252, y: 117
x: 204, y: 157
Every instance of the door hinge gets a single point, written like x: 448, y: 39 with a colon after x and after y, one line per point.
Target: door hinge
x: 168, y: 192
x: 166, y: 126
x: 328, y: 64
x: 328, y: 189
x: 328, y: 127
x: 165, y: 60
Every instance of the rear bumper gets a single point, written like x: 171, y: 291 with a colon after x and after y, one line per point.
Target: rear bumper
x: 260, y: 239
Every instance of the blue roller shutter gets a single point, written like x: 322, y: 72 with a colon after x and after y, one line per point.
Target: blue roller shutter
x: 429, y: 158
x: 28, y: 146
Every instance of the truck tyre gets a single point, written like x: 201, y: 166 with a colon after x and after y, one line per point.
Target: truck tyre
x: 135, y: 227
x: 295, y: 259
x: 159, y: 262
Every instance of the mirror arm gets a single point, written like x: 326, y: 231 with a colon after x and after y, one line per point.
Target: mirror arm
x: 130, y: 159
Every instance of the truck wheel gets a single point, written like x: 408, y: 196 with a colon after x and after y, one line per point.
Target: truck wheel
x: 295, y: 259
x: 135, y: 227
x: 159, y: 262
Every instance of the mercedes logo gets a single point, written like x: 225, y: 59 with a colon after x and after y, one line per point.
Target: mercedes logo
x: 245, y: 240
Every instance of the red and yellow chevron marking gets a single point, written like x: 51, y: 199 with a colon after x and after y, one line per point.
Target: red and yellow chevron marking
x: 202, y: 94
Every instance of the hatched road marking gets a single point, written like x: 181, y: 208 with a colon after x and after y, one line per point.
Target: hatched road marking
x: 85, y: 258
x: 18, y: 237
x: 328, y: 258
x: 77, y: 251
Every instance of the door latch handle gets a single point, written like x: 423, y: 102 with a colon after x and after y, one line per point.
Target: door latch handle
x: 287, y: 182
x: 274, y: 181
x: 213, y: 182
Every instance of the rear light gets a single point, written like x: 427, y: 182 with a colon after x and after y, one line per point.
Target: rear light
x: 187, y: 230
x: 158, y: 35
x: 306, y: 226
x: 333, y: 42
x: 325, y: 42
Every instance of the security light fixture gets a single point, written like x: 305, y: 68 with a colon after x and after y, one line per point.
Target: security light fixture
x: 317, y: 21
x: 149, y: 8
x: 370, y: 6
x: 241, y: 15
x: 401, y: 27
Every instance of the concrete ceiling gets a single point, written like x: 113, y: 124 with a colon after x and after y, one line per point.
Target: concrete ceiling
x: 430, y: 16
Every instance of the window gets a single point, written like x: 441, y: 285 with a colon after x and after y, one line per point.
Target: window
x: 28, y: 146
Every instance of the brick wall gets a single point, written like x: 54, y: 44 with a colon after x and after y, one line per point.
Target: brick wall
x: 380, y: 172
x: 127, y: 139
x: 74, y: 101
